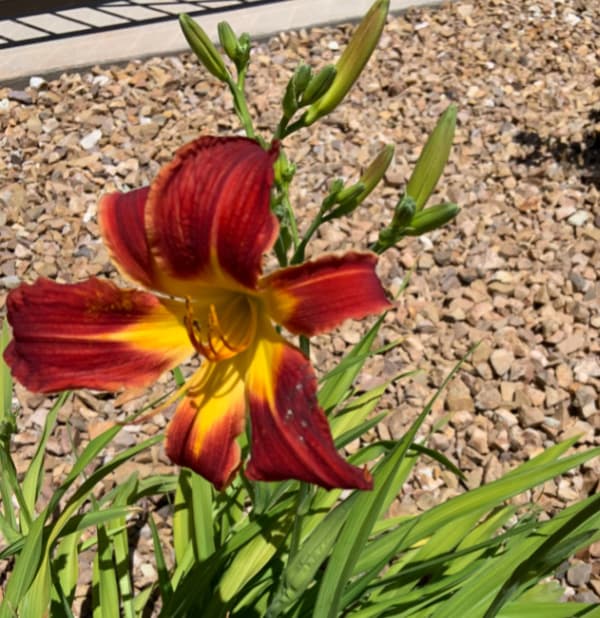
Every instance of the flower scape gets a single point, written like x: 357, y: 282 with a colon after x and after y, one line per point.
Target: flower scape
x: 194, y: 240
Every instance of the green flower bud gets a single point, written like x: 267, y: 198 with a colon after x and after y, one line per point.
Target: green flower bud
x: 203, y: 48
x: 244, y: 46
x: 302, y: 77
x: 431, y: 218
x: 294, y: 89
x: 432, y: 159
x: 404, y: 212
x: 352, y: 61
x: 376, y: 170
x: 228, y: 40
x: 348, y: 199
x: 319, y: 84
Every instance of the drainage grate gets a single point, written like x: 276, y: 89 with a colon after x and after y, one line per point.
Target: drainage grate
x: 33, y: 21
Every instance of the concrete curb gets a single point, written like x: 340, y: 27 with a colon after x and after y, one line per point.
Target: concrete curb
x: 165, y: 38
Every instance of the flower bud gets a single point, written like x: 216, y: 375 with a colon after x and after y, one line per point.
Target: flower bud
x: 352, y: 61
x: 294, y: 89
x: 431, y: 218
x: 319, y: 84
x: 432, y: 159
x: 376, y: 170
x: 404, y: 212
x: 228, y: 40
x: 203, y: 48
x: 302, y: 77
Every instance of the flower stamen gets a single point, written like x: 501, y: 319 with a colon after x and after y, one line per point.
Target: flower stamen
x: 212, y: 341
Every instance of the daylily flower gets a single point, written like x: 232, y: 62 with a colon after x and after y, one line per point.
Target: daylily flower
x: 195, y: 238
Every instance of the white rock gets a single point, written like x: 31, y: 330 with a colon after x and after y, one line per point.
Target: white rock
x: 571, y: 19
x: 578, y: 218
x: 101, y: 80
x: 37, y: 82
x: 91, y: 139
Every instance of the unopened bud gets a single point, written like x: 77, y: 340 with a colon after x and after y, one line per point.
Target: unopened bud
x: 203, y: 47
x: 432, y: 159
x: 404, y: 212
x: 376, y: 170
x: 352, y: 61
x: 319, y: 84
x: 228, y: 40
x: 294, y: 89
x: 431, y: 218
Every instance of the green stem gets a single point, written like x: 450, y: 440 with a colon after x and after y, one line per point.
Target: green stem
x: 305, y: 345
x: 297, y: 529
x: 301, y: 248
x: 239, y: 102
x: 281, y: 128
x: 292, y: 128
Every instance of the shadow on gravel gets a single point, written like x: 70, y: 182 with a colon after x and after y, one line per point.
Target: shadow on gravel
x: 583, y: 155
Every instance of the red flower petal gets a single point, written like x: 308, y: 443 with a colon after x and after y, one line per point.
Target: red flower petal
x: 290, y: 434
x: 317, y: 296
x: 208, y: 216
x: 92, y: 335
x: 121, y: 218
x: 202, y: 433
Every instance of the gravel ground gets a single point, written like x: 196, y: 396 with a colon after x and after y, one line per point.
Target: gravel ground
x: 518, y: 270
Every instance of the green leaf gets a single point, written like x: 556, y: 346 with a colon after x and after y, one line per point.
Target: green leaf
x: 33, y: 477
x: 164, y: 581
x: 571, y: 529
x: 520, y: 609
x: 7, y: 418
x: 336, y: 383
x: 105, y: 592
x: 250, y: 559
x: 193, y: 518
x: 25, y: 569
x: 301, y: 569
x: 37, y: 599
x: 65, y: 571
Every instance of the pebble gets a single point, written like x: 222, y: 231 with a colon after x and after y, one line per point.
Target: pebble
x: 501, y: 361
x: 579, y: 574
x: 37, y: 82
x: 579, y: 218
x: 91, y: 139
x: 20, y: 96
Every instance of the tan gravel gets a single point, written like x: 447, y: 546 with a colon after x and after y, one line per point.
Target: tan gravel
x: 517, y: 271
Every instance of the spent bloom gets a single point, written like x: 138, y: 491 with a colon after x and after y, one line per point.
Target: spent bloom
x: 194, y: 240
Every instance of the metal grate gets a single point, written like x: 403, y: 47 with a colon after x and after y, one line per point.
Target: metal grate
x: 32, y: 21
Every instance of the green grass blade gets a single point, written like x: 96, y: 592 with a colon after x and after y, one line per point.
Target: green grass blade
x: 337, y: 382
x: 369, y: 507
x: 36, y: 601
x: 33, y: 477
x: 302, y: 567
x: 523, y: 478
x: 519, y: 609
x: 354, y: 535
x: 7, y: 418
x: 25, y: 569
x: 489, y: 591
x: 577, y: 530
x: 117, y: 529
x: 250, y: 559
x: 164, y: 581
x: 105, y: 592
x: 65, y: 571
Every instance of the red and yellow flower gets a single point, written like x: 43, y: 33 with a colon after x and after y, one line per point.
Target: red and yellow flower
x: 196, y: 238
